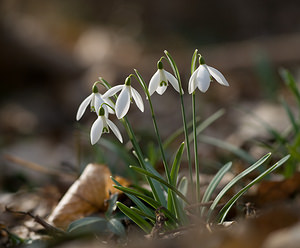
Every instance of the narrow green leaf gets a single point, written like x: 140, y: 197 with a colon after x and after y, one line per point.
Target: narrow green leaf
x: 173, y: 65
x: 290, y: 115
x: 86, y: 223
x: 137, y: 201
x: 222, y: 214
x: 138, y: 211
x: 291, y: 83
x: 194, y: 61
x: 215, y: 181
x: 176, y: 164
x: 155, y: 204
x: 111, y: 205
x: 116, y: 227
x: 143, y: 224
x: 227, y: 146
x: 147, y: 173
x: 208, y: 121
x: 234, y: 181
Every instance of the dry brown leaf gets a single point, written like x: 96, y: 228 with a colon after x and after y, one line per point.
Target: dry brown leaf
x: 269, y: 192
x: 87, y: 195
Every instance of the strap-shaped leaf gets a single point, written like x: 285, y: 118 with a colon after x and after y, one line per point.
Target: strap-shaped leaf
x: 84, y: 224
x: 222, y: 214
x: 137, y: 201
x: 176, y: 164
x: 147, y: 173
x: 234, y: 181
x: 116, y: 227
x: 215, y: 181
x: 143, y: 224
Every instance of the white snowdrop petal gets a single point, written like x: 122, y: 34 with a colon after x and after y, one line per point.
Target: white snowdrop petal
x: 192, y: 82
x: 96, y: 130
x: 204, y: 86
x: 97, y: 102
x: 138, y: 99
x: 115, y: 130
x: 112, y: 91
x: 173, y: 81
x: 161, y: 89
x: 218, y: 76
x: 154, y: 83
x: 203, y: 78
x: 83, y: 106
x: 111, y: 104
x: 123, y: 102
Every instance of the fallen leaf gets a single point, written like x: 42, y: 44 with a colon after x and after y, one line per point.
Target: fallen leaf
x: 269, y: 192
x: 87, y: 195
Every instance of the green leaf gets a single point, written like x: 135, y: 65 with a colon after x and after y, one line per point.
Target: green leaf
x: 137, y: 202
x: 215, y: 181
x: 194, y: 61
x: 143, y: 224
x: 155, y: 204
x: 227, y: 146
x: 176, y: 164
x: 290, y: 115
x: 116, y: 227
x: 88, y: 224
x: 234, y: 181
x: 147, y: 173
x: 138, y: 211
x: 173, y: 65
x: 160, y: 189
x: 291, y: 83
x: 222, y: 214
x: 111, y: 205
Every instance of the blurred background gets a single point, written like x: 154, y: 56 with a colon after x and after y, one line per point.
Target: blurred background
x: 53, y: 51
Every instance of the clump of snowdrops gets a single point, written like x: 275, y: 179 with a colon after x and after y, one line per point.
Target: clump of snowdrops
x: 168, y: 193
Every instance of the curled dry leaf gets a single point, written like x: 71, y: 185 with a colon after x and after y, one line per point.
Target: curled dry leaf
x: 87, y: 195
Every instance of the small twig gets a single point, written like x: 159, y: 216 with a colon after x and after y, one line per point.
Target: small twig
x: 51, y: 230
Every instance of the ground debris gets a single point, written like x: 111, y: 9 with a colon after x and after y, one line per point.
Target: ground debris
x: 50, y: 230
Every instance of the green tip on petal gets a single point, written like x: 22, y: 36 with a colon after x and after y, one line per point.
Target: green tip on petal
x: 95, y: 88
x: 101, y: 111
x: 128, y: 81
x: 201, y: 60
x: 160, y: 65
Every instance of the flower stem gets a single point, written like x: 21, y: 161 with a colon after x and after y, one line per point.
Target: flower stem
x: 143, y: 84
x: 186, y: 135
x: 139, y: 154
x: 196, y: 148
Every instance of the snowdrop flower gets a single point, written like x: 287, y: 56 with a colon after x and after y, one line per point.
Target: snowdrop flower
x: 202, y: 76
x: 125, y: 98
x: 102, y: 125
x: 95, y: 100
x: 159, y: 81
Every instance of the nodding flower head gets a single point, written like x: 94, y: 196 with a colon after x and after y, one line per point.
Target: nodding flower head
x: 127, y: 95
x: 102, y: 125
x: 160, y: 79
x: 203, y: 75
x: 95, y: 99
